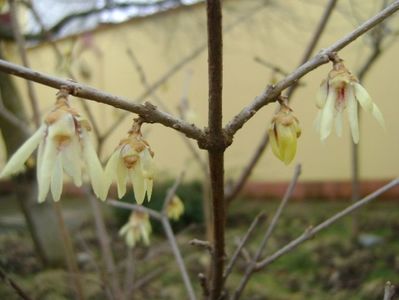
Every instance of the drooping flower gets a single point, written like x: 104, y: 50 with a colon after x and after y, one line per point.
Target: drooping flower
x: 341, y: 90
x: 63, y: 140
x: 175, y: 208
x: 284, y: 132
x: 138, y: 228
x: 132, y: 161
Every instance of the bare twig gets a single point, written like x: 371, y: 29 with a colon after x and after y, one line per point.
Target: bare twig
x: 327, y: 223
x: 147, y: 111
x: 70, y: 254
x: 389, y: 291
x: 260, y: 217
x: 147, y: 278
x: 111, y: 276
x: 204, y: 285
x: 196, y: 52
x: 216, y: 137
x: 252, y: 265
x: 18, y: 290
x: 24, y: 58
x: 270, y: 94
x: 140, y: 208
x: 172, y: 191
x: 129, y: 275
x: 178, y: 257
x: 201, y: 244
x: 271, y: 66
x: 242, y: 179
x: 11, y: 118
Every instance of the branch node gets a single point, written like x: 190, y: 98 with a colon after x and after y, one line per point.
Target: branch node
x: 202, y: 244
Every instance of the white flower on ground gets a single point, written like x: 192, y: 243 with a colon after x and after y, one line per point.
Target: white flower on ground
x: 341, y: 90
x: 132, y: 161
x: 175, y: 208
x: 63, y: 140
x: 138, y: 228
x: 284, y: 132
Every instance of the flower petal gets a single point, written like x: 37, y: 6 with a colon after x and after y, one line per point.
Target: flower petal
x: 338, y: 123
x: 111, y: 168
x: 136, y: 176
x: 377, y: 114
x: 363, y: 97
x: 274, y: 143
x: 322, y: 94
x: 352, y: 115
x: 57, y: 179
x: 71, y: 160
x: 287, y: 142
x: 121, y: 177
x: 46, y: 169
x: 327, y: 115
x: 17, y: 160
x: 94, y: 168
x: 149, y: 185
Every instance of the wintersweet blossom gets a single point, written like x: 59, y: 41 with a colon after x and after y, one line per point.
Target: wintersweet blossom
x: 137, y: 228
x: 341, y: 90
x: 175, y: 208
x: 63, y: 140
x: 284, y: 132
x: 132, y: 161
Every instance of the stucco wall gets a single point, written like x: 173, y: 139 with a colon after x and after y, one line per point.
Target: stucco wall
x: 278, y: 34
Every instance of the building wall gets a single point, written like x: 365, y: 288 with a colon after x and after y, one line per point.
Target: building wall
x: 276, y: 33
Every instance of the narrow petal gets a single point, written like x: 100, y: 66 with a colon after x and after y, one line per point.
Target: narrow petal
x: 124, y: 229
x: 136, y: 176
x: 274, y: 143
x: 94, y: 168
x: 57, y: 179
x: 130, y: 240
x: 111, y: 168
x: 17, y: 160
x: 377, y: 114
x: 287, y: 142
x: 363, y: 97
x: 121, y: 178
x: 338, y: 123
x: 71, y: 160
x: 46, y: 169
x: 327, y: 115
x: 149, y: 184
x: 147, y: 164
x: 322, y: 94
x: 145, y: 234
x: 352, y: 115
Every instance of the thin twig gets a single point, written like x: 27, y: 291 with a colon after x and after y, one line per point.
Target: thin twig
x: 327, y: 223
x: 204, y: 285
x: 216, y: 138
x: 111, y: 276
x: 18, y: 290
x: 271, y: 93
x: 129, y: 275
x: 147, y: 111
x: 24, y: 58
x: 11, y: 118
x: 140, y: 208
x: 172, y: 192
x: 179, y: 259
x: 252, y: 265
x: 179, y: 65
x: 260, y: 217
x: 389, y: 291
x: 245, y: 174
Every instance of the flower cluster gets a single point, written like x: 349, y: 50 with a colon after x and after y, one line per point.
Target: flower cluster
x: 63, y: 140
x: 284, y: 132
x: 132, y: 161
x: 138, y: 228
x: 341, y: 90
x: 175, y: 208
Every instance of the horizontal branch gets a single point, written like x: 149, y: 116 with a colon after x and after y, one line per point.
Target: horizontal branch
x: 309, y: 233
x: 270, y: 94
x: 147, y: 111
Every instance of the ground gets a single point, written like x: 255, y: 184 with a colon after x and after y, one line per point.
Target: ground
x: 339, y: 263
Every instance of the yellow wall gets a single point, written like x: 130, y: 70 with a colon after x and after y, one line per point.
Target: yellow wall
x: 278, y: 34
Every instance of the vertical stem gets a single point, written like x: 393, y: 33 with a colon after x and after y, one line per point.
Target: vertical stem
x: 70, y: 256
x: 216, y: 142
x: 111, y: 276
x: 179, y: 258
x: 20, y: 40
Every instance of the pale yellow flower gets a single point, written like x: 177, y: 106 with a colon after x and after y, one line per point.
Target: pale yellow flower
x: 132, y: 161
x: 341, y: 90
x: 175, y: 208
x: 138, y: 228
x: 284, y: 132
x: 63, y: 141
